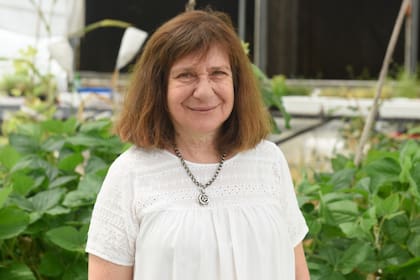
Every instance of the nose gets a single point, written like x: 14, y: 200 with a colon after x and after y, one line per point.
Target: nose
x: 204, y: 88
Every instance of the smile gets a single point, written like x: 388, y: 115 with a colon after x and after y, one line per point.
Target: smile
x: 202, y: 109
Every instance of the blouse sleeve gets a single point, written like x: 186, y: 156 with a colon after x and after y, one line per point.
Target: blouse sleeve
x: 113, y: 226
x: 293, y: 216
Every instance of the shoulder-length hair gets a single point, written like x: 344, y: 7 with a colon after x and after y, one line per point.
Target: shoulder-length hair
x: 144, y: 118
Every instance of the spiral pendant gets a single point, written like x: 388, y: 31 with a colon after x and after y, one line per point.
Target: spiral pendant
x: 203, y: 199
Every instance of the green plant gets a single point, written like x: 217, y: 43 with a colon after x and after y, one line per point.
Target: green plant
x: 365, y: 221
x: 26, y: 80
x: 50, y: 173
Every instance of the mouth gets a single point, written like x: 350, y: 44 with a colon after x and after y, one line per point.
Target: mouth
x: 202, y: 108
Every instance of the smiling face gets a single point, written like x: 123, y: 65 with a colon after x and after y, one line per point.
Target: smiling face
x: 200, y: 92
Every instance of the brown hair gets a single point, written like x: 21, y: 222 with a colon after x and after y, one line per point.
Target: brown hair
x: 145, y: 119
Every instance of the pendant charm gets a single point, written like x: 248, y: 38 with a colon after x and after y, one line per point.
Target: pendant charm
x: 203, y: 199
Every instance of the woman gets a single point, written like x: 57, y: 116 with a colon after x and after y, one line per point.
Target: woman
x: 200, y: 194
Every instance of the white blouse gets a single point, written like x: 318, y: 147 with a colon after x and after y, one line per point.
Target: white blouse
x: 147, y: 216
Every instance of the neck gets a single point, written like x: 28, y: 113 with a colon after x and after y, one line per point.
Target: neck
x: 199, y: 149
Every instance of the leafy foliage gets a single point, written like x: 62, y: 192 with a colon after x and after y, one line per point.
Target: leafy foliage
x: 365, y: 221
x: 50, y: 173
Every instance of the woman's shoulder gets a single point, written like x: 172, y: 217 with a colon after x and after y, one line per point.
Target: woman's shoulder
x: 139, y: 159
x: 267, y: 149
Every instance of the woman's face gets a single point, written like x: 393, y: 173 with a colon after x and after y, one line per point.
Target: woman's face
x: 200, y: 92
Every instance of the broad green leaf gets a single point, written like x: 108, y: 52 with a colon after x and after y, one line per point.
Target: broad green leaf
x: 314, y: 227
x: 22, y: 184
x: 58, y: 210
x: 51, y: 265
x: 415, y: 173
x: 24, y: 144
x: 408, y: 270
x: 397, y: 229
x: 68, y: 238
x: 343, y: 211
x: 45, y: 200
x: 351, y: 230
x: 388, y: 205
x: 393, y: 254
x: 60, y: 181
x: 342, y: 179
x: 353, y: 256
x: 87, y: 141
x: 86, y: 191
x: 4, y: 194
x: 100, y: 127
x: 340, y: 162
x: 413, y: 244
x: 415, y: 225
x: 32, y: 129
x: 78, y: 271
x: 381, y: 171
x: 13, y: 221
x: 33, y: 162
x: 16, y: 271
x: 8, y: 156
x: 70, y: 162
x: 95, y: 164
x: 60, y: 127
x: 330, y: 254
x: 53, y: 143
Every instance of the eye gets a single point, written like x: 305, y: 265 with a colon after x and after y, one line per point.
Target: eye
x: 219, y: 73
x: 185, y: 76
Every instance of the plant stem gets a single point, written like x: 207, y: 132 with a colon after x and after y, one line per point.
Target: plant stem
x: 384, y: 70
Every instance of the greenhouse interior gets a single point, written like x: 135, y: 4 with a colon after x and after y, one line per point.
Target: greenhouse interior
x: 339, y: 79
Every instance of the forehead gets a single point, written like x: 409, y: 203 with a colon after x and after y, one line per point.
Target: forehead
x: 215, y: 55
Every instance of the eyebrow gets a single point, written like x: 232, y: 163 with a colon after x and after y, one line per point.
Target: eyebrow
x: 188, y: 69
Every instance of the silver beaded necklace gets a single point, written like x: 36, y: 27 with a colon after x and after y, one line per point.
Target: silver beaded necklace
x: 203, y: 198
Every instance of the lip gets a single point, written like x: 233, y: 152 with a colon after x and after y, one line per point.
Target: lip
x: 202, y: 108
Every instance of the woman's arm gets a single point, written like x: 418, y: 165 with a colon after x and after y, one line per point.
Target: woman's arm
x: 100, y: 269
x: 301, y: 268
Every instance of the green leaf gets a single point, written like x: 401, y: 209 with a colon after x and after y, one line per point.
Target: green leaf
x: 45, y: 200
x: 8, y: 156
x: 87, y: 141
x: 101, y: 126
x: 397, y: 229
x: 4, y: 194
x: 68, y: 238
x: 60, y: 127
x: 70, y: 162
x: 353, y: 256
x: 51, y: 265
x: 63, y: 180
x: 342, y: 179
x: 13, y: 221
x: 58, y: 210
x: 413, y: 244
x: 387, y: 206
x: 24, y: 144
x: 95, y: 164
x: 16, y: 271
x: 382, y: 171
x: 33, y: 162
x: 86, y: 191
x: 351, y: 230
x: 393, y: 254
x: 22, y: 184
x: 78, y: 271
x: 53, y: 143
x: 343, y: 211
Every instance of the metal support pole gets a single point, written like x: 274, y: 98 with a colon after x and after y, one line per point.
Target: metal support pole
x: 414, y: 35
x: 411, y: 38
x: 260, y: 34
x: 242, y: 19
